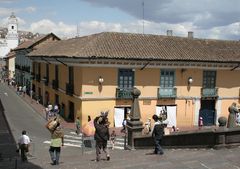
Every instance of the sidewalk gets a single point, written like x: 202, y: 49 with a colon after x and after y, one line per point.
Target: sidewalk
x: 40, y: 109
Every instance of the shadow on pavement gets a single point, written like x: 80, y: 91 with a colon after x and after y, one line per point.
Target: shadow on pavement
x: 9, y: 158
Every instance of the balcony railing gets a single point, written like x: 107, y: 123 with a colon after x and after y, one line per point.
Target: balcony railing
x: 209, y: 92
x: 69, y: 89
x: 55, y: 84
x: 124, y: 93
x: 167, y: 92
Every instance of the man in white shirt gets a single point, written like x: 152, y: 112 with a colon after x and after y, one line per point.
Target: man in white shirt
x: 23, y: 143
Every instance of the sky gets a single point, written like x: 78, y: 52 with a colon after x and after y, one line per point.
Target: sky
x: 208, y: 19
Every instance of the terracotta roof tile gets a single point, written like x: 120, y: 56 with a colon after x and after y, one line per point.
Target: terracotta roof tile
x: 29, y: 43
x: 138, y: 46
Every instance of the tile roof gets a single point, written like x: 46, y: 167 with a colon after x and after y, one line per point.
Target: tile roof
x: 112, y: 45
x: 30, y: 43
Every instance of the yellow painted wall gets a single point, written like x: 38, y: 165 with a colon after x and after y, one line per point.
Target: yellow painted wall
x: 91, y: 87
x: 62, y: 76
x: 78, y: 76
x: 192, y: 90
x: 93, y: 108
x: 97, y: 98
x: 228, y: 83
x: 147, y: 81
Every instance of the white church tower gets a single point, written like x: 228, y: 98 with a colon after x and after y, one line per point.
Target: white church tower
x: 12, y: 35
x: 11, y: 40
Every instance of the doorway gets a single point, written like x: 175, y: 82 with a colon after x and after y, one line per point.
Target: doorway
x: 207, y: 112
x: 120, y: 114
x: 71, y: 112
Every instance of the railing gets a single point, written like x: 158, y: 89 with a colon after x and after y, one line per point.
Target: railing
x: 69, y: 89
x: 167, y: 92
x: 209, y: 92
x: 55, y: 84
x: 123, y: 93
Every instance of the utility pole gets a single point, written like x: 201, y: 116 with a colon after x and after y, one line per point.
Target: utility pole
x: 143, y: 15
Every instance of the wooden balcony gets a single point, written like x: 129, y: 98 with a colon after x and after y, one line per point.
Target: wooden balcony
x: 167, y: 92
x: 209, y: 92
x: 123, y: 93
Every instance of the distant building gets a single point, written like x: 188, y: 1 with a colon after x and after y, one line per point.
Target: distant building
x: 23, y: 65
x: 11, y: 40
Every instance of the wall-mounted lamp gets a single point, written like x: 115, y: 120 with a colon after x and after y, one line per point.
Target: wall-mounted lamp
x: 190, y: 80
x: 100, y: 80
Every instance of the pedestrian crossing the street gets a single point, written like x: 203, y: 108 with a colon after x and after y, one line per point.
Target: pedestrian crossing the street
x: 73, y: 140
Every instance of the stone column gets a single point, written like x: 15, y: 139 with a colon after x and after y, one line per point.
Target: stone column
x: 134, y: 125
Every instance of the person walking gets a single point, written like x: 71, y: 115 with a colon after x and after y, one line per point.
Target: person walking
x: 56, y: 142
x: 113, y: 138
x: 23, y: 143
x: 124, y: 123
x: 77, y: 123
x: 157, y: 134
x: 101, y: 135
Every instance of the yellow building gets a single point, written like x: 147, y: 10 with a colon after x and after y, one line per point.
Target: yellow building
x: 183, y: 77
x: 10, y: 64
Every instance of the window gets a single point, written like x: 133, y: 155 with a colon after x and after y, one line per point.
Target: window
x: 56, y: 99
x: 125, y: 78
x: 39, y: 68
x: 167, y: 79
x: 56, y: 72
x: 71, y: 75
x: 12, y: 27
x: 209, y: 79
x: 47, y: 72
x: 34, y: 68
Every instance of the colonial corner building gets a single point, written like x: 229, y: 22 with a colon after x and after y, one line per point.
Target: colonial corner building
x: 186, y: 78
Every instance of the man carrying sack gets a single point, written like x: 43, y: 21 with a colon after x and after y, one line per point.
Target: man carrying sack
x: 57, y: 140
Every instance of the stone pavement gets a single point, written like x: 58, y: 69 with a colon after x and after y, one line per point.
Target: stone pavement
x: 143, y: 159
x: 7, y: 144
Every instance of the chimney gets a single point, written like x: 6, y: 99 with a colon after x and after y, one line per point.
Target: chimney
x: 190, y: 34
x: 169, y: 32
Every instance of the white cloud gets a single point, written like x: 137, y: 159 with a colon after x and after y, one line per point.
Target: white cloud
x: 63, y: 30
x: 46, y: 26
